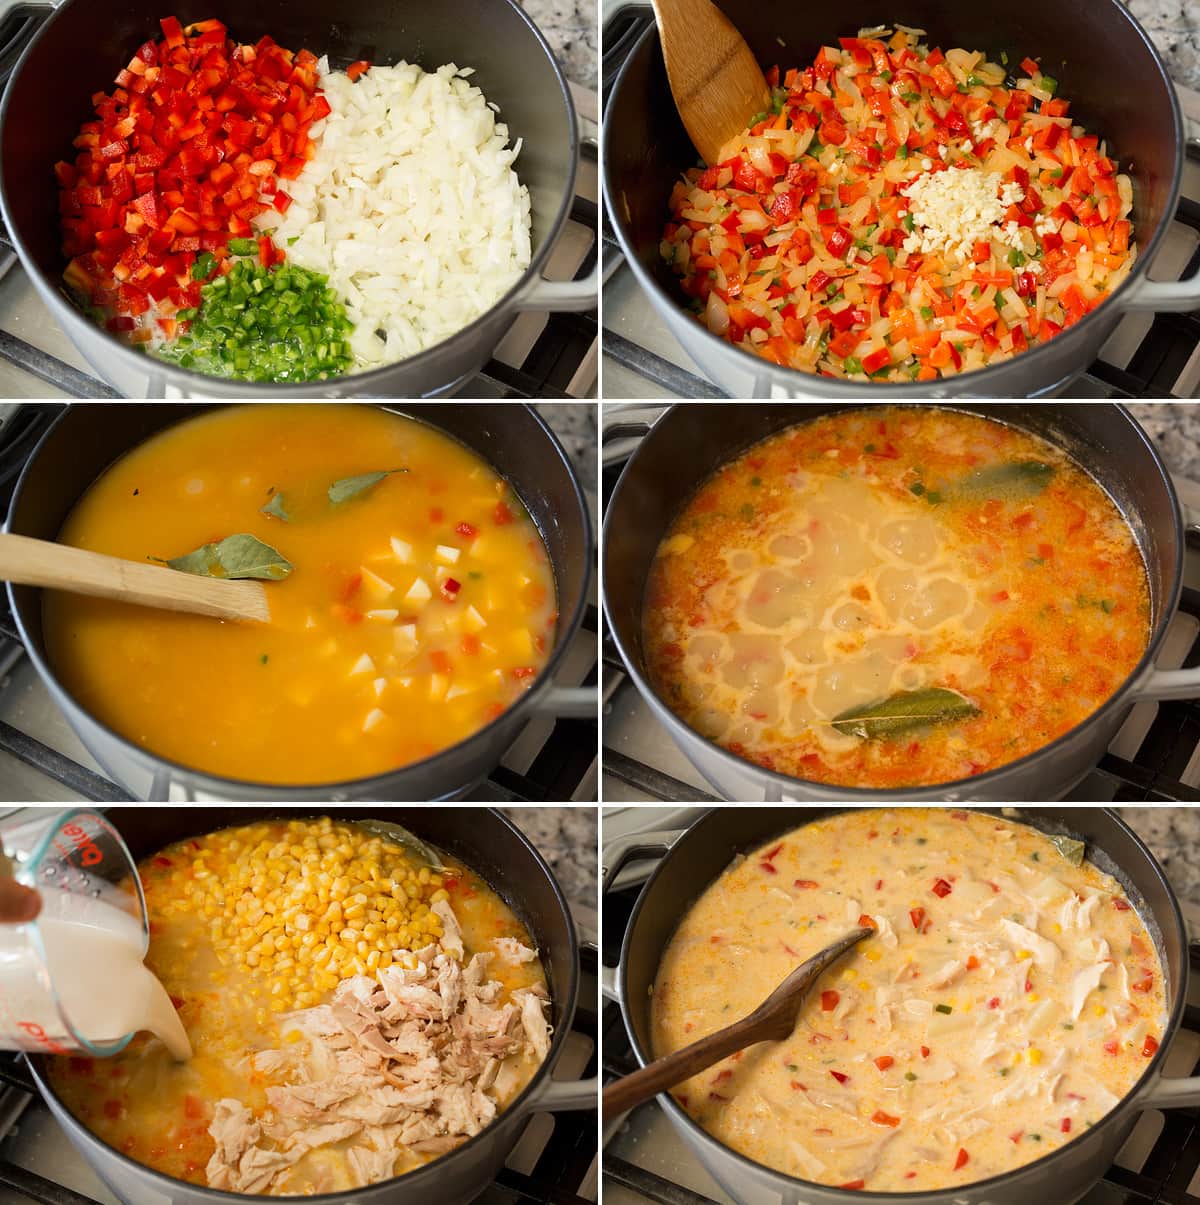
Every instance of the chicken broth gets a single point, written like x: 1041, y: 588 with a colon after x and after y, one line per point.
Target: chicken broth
x: 1008, y: 999
x: 353, y: 1014
x: 420, y: 605
x: 894, y: 597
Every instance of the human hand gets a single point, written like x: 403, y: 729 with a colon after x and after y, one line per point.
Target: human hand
x: 18, y: 903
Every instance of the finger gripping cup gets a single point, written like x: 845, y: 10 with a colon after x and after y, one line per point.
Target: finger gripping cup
x: 56, y: 989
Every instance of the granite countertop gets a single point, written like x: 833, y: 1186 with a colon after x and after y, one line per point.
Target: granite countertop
x: 566, y: 838
x: 1174, y: 26
x: 1175, y: 428
x: 570, y: 28
x: 1173, y: 835
x: 575, y: 425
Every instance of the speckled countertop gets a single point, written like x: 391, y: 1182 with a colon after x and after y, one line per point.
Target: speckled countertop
x: 1173, y: 835
x: 1175, y: 428
x: 1174, y: 25
x: 570, y: 28
x: 575, y: 425
x: 566, y: 838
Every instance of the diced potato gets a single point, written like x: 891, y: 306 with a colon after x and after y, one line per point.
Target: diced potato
x: 457, y: 690
x: 522, y: 642
x: 375, y: 717
x: 364, y: 665
x: 447, y: 554
x: 404, y: 639
x: 380, y: 685
x: 419, y: 592
x: 402, y: 551
x: 439, y: 684
x: 374, y: 585
x: 473, y: 621
x: 384, y: 615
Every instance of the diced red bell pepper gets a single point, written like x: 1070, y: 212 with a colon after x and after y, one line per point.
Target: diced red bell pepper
x: 357, y: 68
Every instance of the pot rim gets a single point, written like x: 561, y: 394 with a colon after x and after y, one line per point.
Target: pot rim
x: 984, y: 382
x: 382, y: 784
x: 376, y: 380
x: 1129, y: 1103
x: 513, y: 1112
x: 685, y: 735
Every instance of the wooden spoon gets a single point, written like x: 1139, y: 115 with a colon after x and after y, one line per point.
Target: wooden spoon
x: 716, y: 81
x: 772, y: 1021
x: 61, y: 567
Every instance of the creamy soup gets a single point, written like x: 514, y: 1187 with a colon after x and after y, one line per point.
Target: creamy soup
x: 353, y: 1013
x: 419, y: 605
x: 894, y: 596
x: 1008, y: 999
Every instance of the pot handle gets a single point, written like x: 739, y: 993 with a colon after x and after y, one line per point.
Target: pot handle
x: 1176, y: 1092
x: 1177, y: 295
x: 559, y: 1096
x: 568, y: 702
x: 623, y: 850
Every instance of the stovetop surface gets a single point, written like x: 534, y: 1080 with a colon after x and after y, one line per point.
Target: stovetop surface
x: 1147, y: 356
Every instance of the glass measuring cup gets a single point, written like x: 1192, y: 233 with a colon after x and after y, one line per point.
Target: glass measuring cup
x: 88, y: 881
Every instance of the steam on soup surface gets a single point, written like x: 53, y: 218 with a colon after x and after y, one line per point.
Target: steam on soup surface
x: 417, y: 610
x: 894, y: 596
x: 1009, y: 998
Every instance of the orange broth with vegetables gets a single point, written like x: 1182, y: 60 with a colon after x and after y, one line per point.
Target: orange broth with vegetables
x: 417, y: 610
x: 894, y: 596
x: 158, y: 1111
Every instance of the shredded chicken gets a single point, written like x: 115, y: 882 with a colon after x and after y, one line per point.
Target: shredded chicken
x: 396, y: 1068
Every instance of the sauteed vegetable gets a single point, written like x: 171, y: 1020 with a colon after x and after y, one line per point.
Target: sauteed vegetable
x: 886, y: 597
x: 354, y: 1014
x: 1011, y: 996
x: 902, y: 214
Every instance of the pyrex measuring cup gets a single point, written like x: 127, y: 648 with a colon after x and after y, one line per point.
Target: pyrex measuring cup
x: 91, y: 896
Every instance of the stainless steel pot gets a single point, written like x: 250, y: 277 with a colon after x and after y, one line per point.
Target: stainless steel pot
x: 491, y: 845
x: 689, y: 442
x: 692, y: 860
x: 1104, y: 61
x: 86, y: 439
x: 81, y: 46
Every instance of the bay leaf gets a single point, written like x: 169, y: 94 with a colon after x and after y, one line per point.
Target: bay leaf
x: 237, y: 556
x: 1070, y: 849
x: 351, y: 487
x: 903, y: 712
x: 276, y: 507
x: 1014, y: 479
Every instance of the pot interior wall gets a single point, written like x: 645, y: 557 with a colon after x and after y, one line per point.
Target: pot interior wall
x: 1103, y: 65
x: 88, y: 439
x: 704, y: 852
x: 688, y: 444
x: 84, y: 45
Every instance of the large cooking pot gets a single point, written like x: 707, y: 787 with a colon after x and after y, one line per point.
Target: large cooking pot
x: 82, y: 45
x: 688, y: 443
x: 1103, y: 61
x: 693, y: 860
x: 86, y: 439
x: 490, y: 844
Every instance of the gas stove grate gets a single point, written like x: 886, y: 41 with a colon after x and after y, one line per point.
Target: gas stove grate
x: 560, y: 1175
x: 1154, y: 775
x: 1154, y: 371
x: 1167, y: 1175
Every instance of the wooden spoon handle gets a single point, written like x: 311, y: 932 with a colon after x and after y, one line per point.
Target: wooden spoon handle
x: 623, y: 1094
x: 43, y: 563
